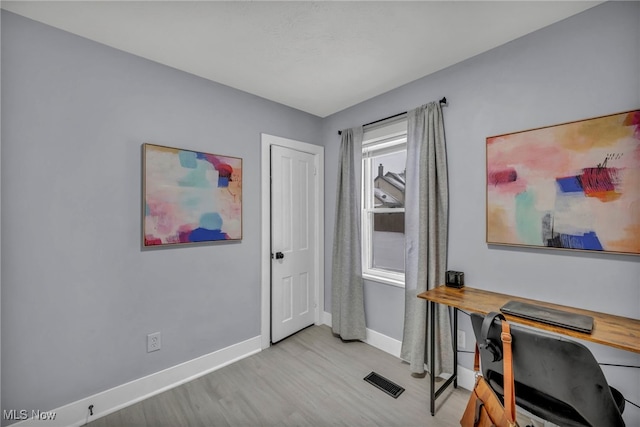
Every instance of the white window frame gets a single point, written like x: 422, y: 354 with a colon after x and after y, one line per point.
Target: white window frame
x: 383, y: 139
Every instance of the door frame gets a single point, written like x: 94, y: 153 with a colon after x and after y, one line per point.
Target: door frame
x: 265, y: 245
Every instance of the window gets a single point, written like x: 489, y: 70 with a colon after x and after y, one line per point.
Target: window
x: 384, y: 158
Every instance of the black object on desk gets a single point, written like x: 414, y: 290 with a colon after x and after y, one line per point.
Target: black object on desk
x: 454, y: 279
x: 550, y: 316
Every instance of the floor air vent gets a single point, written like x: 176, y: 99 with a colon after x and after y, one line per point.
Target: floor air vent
x: 392, y: 389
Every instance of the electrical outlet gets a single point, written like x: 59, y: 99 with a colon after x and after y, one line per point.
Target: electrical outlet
x: 461, y: 339
x: 154, y: 342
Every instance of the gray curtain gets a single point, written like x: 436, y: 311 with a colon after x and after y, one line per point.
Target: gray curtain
x: 426, y: 229
x: 347, y: 294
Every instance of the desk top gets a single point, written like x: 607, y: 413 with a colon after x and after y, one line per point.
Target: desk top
x: 615, y: 331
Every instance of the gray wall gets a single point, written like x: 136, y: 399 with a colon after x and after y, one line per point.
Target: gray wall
x: 79, y: 296
x: 585, y: 66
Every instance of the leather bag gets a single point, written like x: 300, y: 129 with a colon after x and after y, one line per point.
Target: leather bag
x: 485, y: 408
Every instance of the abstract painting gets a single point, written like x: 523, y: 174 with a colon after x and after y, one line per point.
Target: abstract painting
x: 571, y: 186
x: 190, y: 197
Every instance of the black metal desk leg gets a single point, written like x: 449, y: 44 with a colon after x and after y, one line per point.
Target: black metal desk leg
x: 454, y: 338
x: 432, y: 356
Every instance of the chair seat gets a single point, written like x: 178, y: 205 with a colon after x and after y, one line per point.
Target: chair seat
x: 547, y: 407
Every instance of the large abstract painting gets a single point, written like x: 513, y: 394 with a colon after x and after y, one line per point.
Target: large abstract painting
x: 190, y: 197
x: 570, y: 186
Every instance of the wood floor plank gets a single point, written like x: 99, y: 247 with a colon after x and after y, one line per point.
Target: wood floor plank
x: 309, y: 379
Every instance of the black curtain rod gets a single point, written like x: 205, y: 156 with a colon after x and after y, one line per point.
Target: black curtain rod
x: 442, y: 101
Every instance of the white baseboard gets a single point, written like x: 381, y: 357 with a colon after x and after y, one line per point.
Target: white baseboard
x: 77, y: 414
x: 326, y: 319
x: 375, y: 339
x: 466, y: 377
x: 383, y: 342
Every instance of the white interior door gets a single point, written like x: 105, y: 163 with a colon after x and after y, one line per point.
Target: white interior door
x: 293, y: 275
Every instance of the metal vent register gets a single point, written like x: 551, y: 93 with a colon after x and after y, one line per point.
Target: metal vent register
x: 391, y: 388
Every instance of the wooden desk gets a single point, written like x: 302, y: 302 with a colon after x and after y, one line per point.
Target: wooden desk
x: 614, y: 331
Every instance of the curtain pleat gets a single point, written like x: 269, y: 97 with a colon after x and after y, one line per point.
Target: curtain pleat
x: 426, y: 233
x: 347, y: 293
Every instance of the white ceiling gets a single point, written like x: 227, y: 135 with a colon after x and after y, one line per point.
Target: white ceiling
x: 319, y: 57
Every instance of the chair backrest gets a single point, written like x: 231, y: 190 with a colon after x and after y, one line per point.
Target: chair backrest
x: 556, y: 379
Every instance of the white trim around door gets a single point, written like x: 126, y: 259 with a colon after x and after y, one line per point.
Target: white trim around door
x: 265, y: 245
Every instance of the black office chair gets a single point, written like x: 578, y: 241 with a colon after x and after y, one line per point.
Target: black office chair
x: 556, y: 379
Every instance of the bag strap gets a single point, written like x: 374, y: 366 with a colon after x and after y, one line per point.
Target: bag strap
x: 507, y: 362
x: 509, y: 389
x: 476, y: 360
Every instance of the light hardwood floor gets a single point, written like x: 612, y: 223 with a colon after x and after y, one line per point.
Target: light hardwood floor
x: 310, y: 379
